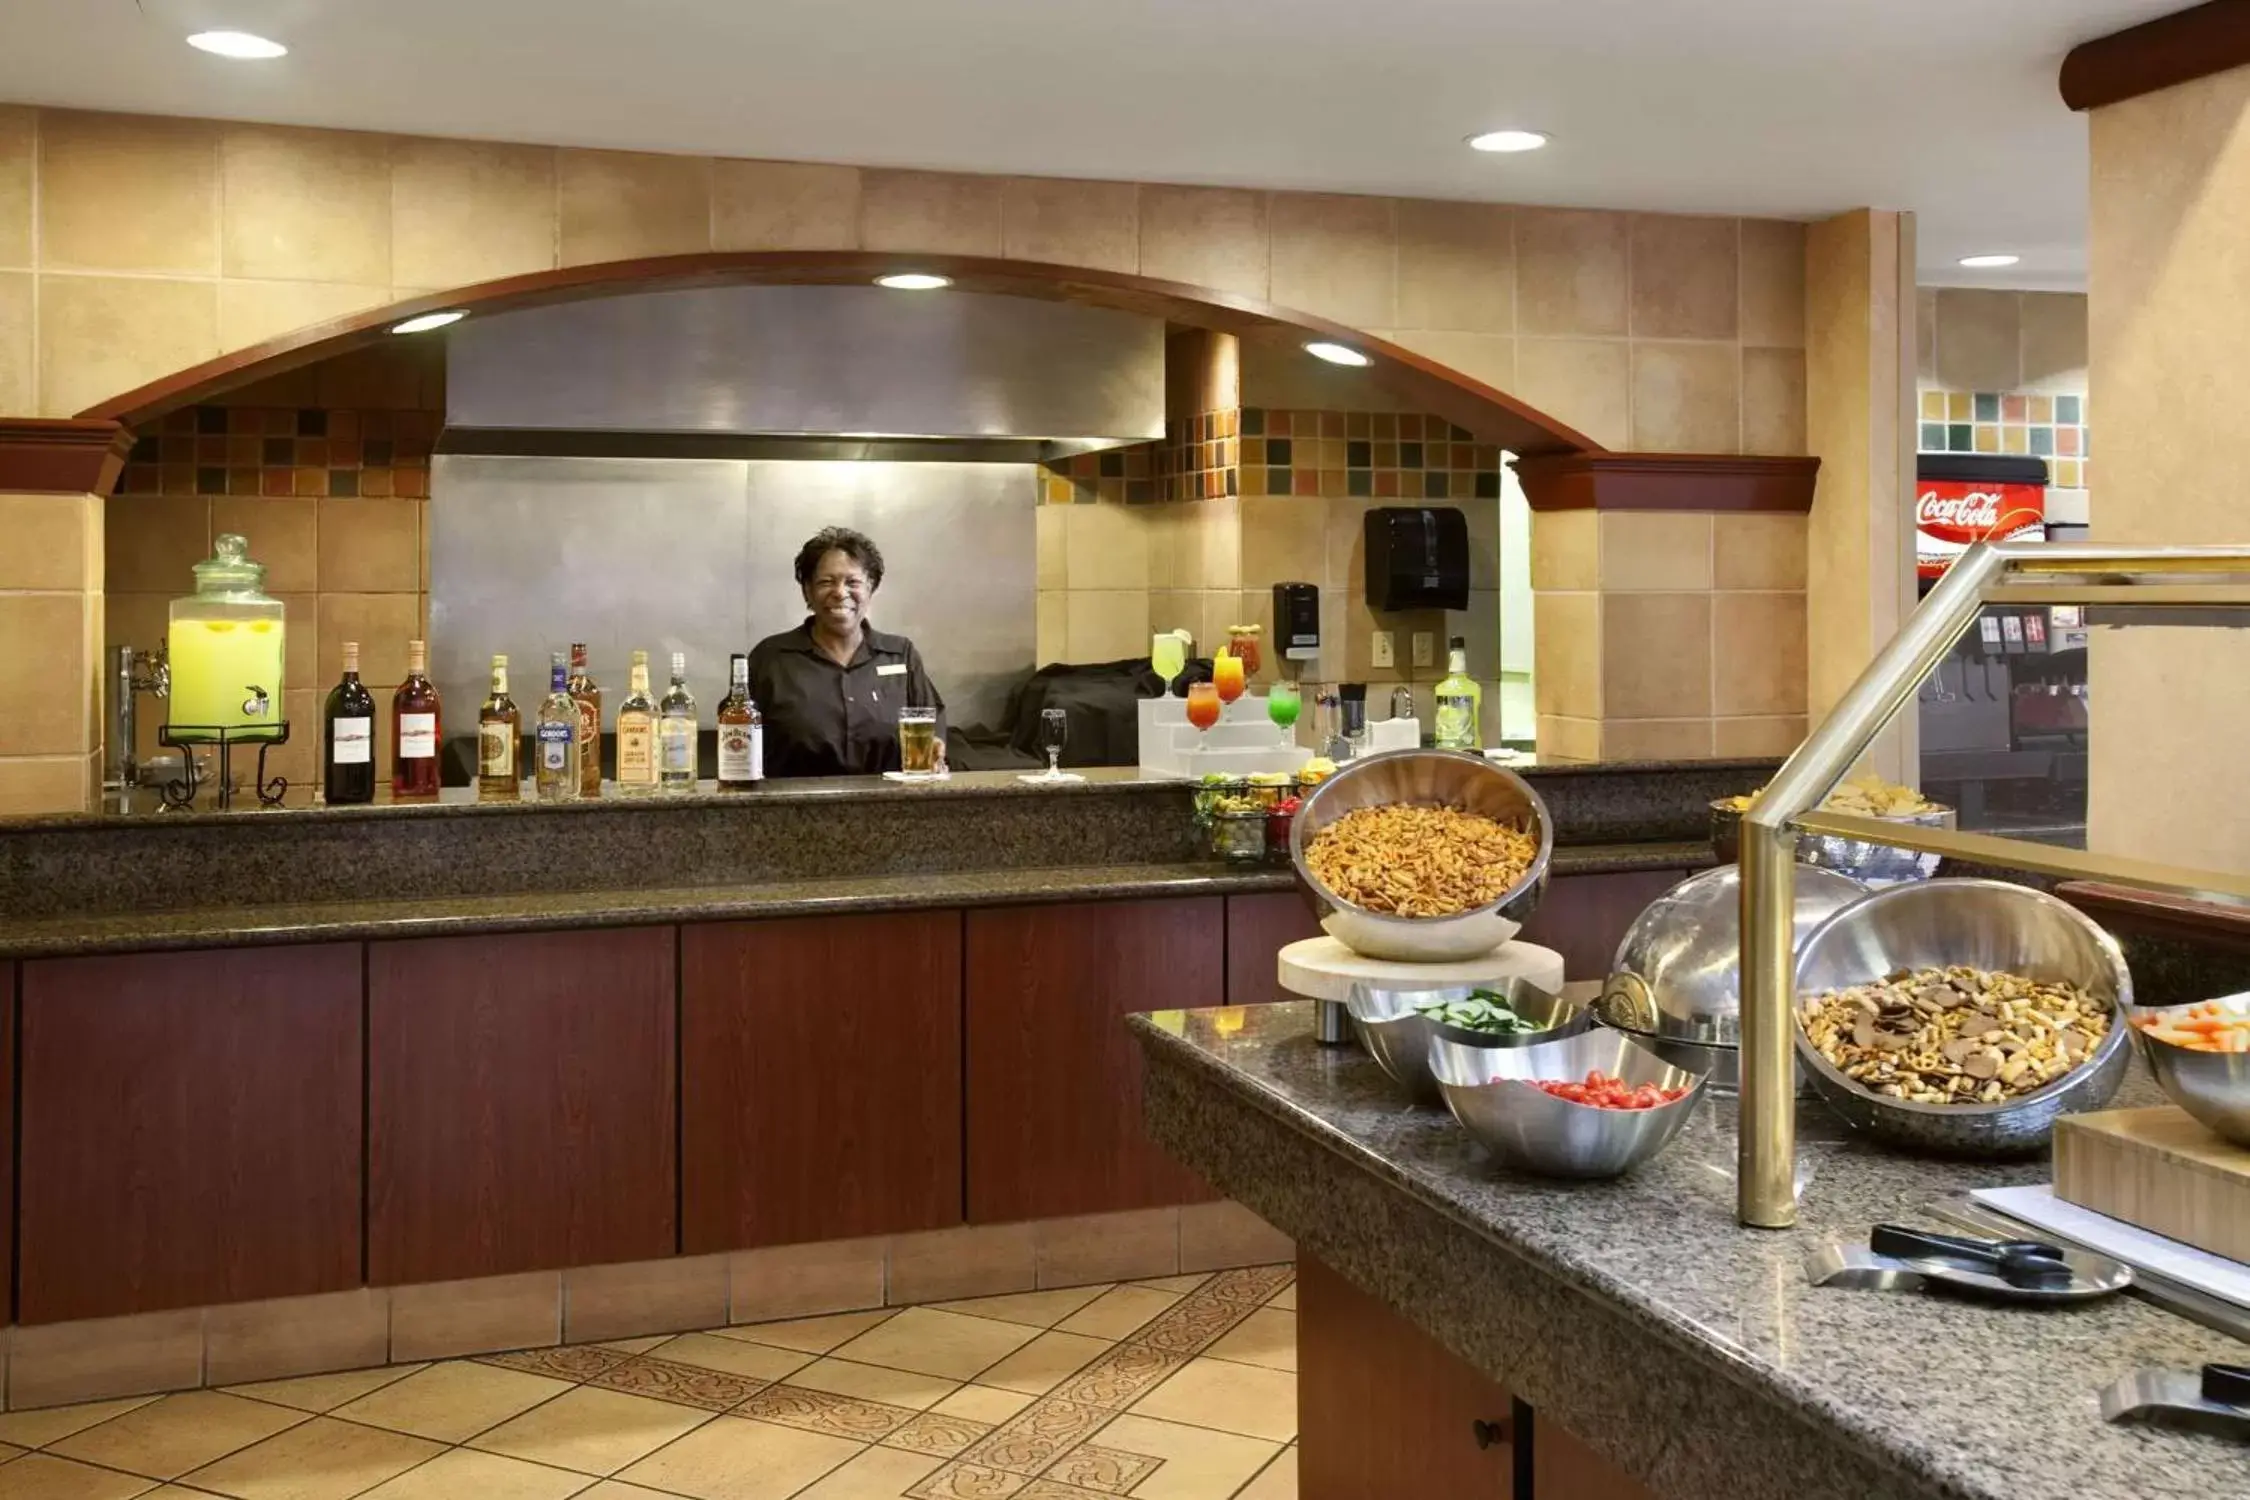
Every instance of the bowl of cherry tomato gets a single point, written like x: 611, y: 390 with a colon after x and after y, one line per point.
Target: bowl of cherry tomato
x: 1593, y: 1105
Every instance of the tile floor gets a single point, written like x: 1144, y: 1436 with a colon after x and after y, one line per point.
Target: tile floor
x: 1177, y: 1389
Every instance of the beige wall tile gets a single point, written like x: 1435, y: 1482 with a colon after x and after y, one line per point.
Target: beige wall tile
x: 1773, y: 283
x: 296, y: 1336
x: 300, y: 664
x: 444, y: 1318
x: 1213, y: 539
x: 56, y: 783
x: 100, y: 336
x: 1759, y: 736
x: 468, y: 211
x: 283, y: 535
x: 1336, y: 256
x: 1175, y: 609
x: 1070, y: 223
x: 1106, y: 624
x: 1166, y: 528
x: 370, y: 546
x: 1978, y: 339
x: 1687, y: 398
x: 804, y: 1281
x: 618, y: 205
x: 1571, y: 273
x: 1583, y: 383
x: 1759, y: 552
x: 18, y: 384
x: 1050, y: 522
x: 1566, y: 672
x: 44, y: 675
x: 1106, y: 546
x: 49, y: 540
x: 50, y: 1364
x: 1773, y: 401
x: 1759, y: 641
x: 1565, y: 550
x: 644, y: 1297
x: 305, y: 205
x: 297, y: 762
x: 1283, y: 540
x: 19, y: 144
x: 1686, y: 277
x: 1656, y: 739
x: 1206, y: 237
x: 252, y: 311
x: 943, y: 213
x: 1456, y: 266
x: 1560, y: 738
x: 151, y: 542
x: 783, y: 205
x: 1109, y: 1247
x: 1052, y: 642
x: 1645, y: 551
x: 1345, y: 572
x: 975, y: 1260
x: 1656, y: 656
x: 1489, y: 357
x: 2054, y: 341
x: 382, y: 624
x: 1221, y: 1236
x: 128, y: 193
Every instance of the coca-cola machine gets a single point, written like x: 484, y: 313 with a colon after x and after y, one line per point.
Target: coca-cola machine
x: 2003, y: 717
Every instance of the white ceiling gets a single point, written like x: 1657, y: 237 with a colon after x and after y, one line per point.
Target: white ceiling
x: 1793, y: 108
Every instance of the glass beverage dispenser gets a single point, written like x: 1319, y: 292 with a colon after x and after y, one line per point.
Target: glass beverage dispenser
x: 226, y: 642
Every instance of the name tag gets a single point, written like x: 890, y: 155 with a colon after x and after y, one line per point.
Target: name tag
x: 890, y: 669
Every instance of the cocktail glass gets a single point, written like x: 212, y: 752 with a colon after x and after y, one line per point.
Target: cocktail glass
x: 1167, y: 657
x: 1202, y: 705
x: 1227, y: 676
x: 1283, y: 704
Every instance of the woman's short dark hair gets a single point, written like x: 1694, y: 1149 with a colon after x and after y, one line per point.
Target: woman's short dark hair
x: 842, y: 539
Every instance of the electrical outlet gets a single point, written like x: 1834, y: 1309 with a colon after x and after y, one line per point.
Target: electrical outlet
x: 1382, y: 650
x: 1425, y: 649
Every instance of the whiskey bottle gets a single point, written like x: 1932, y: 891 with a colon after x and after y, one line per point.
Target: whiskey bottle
x: 587, y: 694
x: 347, y: 737
x: 742, y: 732
x: 636, y: 734
x: 499, y: 773
x: 415, y: 730
x: 557, y: 738
x: 675, y: 732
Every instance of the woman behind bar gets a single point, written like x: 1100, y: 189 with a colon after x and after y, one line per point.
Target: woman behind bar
x: 831, y: 689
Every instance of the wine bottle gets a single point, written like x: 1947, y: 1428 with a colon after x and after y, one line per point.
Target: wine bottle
x: 347, y: 737
x: 415, y: 730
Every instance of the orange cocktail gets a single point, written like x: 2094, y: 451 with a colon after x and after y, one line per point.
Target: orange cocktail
x: 1202, y: 705
x: 1227, y: 677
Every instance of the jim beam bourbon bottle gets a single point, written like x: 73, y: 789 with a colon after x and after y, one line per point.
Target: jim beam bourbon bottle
x: 742, y: 733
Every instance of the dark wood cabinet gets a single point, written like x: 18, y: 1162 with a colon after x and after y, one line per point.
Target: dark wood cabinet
x: 1258, y: 927
x: 820, y: 1078
x: 1054, y: 1079
x: 1383, y: 1409
x: 522, y: 1102
x: 1563, y: 1468
x: 190, y: 1129
x: 1584, y: 917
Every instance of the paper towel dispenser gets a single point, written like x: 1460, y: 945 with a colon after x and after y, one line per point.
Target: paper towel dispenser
x: 1417, y: 557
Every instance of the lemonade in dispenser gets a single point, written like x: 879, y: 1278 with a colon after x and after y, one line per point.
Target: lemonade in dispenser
x: 226, y: 641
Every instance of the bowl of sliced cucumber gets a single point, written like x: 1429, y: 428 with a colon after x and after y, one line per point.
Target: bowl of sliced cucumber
x: 1397, y: 1025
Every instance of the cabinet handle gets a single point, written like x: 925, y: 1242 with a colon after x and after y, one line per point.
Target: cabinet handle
x: 1491, y: 1434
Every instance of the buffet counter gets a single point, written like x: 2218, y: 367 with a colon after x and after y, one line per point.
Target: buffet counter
x: 1639, y: 1336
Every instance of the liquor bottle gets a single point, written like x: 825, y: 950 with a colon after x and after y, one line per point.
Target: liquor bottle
x: 1459, y: 701
x: 347, y: 737
x: 415, y: 730
x: 636, y: 734
x: 499, y: 768
x: 675, y: 732
x: 587, y: 694
x: 558, y: 737
x: 742, y: 732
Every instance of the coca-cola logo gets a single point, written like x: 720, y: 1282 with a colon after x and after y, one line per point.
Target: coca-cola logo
x: 1970, y: 514
x: 1978, y: 510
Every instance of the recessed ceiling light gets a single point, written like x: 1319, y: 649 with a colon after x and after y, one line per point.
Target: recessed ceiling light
x: 428, y: 321
x: 914, y: 281
x: 1336, y: 354
x: 1507, y: 140
x: 238, y: 44
x: 1989, y: 262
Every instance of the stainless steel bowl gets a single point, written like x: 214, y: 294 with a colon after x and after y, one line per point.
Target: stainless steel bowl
x: 1987, y: 924
x: 1489, y: 1090
x: 1435, y: 778
x: 1871, y: 862
x: 2214, y: 1087
x: 1397, y: 1035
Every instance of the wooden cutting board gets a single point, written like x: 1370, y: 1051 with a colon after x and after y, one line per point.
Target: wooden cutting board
x: 2158, y: 1169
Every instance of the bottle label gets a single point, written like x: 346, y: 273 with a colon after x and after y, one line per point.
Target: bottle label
x: 678, y: 744
x: 417, y: 736
x: 496, y: 750
x: 554, y: 746
x: 589, y: 722
x: 1456, y: 722
x: 351, y: 742
x: 636, y: 759
x: 742, y: 752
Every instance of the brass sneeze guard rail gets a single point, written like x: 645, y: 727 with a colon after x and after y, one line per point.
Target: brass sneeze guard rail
x: 2138, y: 578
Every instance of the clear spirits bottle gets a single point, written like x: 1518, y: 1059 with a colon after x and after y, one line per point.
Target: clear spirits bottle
x: 499, y: 746
x: 587, y: 694
x: 742, y: 732
x: 556, y: 735
x: 675, y: 732
x: 636, y: 734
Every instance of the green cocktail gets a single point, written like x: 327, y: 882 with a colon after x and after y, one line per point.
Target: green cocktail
x: 1283, y: 704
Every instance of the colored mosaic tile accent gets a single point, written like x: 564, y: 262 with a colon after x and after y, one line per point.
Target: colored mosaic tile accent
x: 2004, y: 422
x: 281, y: 451
x: 1273, y: 451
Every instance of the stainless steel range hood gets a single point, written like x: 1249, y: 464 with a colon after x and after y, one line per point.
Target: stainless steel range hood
x: 814, y: 372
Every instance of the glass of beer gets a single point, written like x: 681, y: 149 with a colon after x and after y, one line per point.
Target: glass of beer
x: 918, y: 743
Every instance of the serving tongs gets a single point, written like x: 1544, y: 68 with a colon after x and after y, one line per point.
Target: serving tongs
x: 2215, y: 1399
x: 1900, y: 1258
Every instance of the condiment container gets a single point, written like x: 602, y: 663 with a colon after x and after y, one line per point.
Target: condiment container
x: 227, y: 644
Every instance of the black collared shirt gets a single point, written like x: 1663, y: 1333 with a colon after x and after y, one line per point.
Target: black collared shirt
x: 825, y: 720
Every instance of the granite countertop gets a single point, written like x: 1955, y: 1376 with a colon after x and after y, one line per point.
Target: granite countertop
x: 1637, y: 1313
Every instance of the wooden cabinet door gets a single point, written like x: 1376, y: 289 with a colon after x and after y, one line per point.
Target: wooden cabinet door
x: 1258, y: 927
x: 820, y: 1078
x: 1054, y: 1079
x: 1383, y: 1409
x: 522, y: 1105
x: 190, y: 1129
x: 1563, y: 1468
